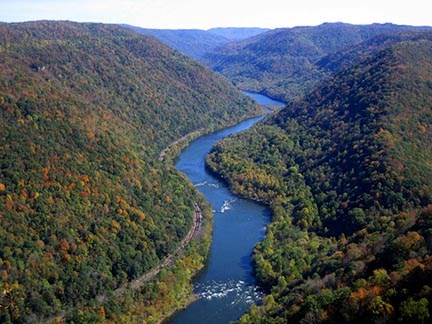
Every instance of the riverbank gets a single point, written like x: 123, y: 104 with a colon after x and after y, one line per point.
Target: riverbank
x: 167, y: 262
x: 175, y: 147
x: 272, y: 104
x: 169, y: 154
x: 171, y: 280
x: 226, y: 286
x: 167, y: 157
x: 167, y: 288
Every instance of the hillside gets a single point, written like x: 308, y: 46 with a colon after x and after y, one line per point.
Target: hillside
x: 85, y: 206
x: 192, y: 42
x: 347, y: 172
x: 283, y: 63
x: 196, y: 42
x: 237, y: 33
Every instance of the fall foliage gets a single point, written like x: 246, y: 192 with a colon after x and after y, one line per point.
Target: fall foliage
x: 346, y: 171
x: 85, y: 206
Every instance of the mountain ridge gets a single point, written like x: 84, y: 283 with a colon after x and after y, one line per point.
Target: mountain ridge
x: 346, y: 172
x: 282, y: 63
x: 197, y: 42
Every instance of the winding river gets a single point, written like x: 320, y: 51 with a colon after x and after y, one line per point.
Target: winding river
x: 226, y: 288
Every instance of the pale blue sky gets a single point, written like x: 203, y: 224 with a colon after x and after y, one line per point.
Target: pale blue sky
x: 205, y: 14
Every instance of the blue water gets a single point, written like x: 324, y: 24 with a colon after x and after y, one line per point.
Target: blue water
x: 263, y: 100
x: 226, y: 288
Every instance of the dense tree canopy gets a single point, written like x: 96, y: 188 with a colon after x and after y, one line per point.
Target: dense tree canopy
x: 287, y: 63
x: 347, y: 173
x: 196, y: 42
x: 85, y: 205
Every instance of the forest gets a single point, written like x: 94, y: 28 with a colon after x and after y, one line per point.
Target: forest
x: 287, y: 63
x: 85, y: 205
x: 347, y: 173
x: 196, y: 43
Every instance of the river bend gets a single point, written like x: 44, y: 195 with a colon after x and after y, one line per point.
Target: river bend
x: 226, y: 288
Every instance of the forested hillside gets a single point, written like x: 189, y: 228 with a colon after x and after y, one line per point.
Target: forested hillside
x: 192, y: 42
x: 347, y: 173
x: 197, y: 42
x: 85, y: 206
x: 284, y: 63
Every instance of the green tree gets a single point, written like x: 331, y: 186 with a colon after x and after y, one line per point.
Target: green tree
x: 415, y: 311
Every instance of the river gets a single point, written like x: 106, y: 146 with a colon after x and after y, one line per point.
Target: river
x: 226, y: 287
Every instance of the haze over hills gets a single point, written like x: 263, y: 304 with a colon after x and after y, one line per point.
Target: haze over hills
x: 85, y: 206
x: 192, y: 42
x: 195, y: 42
x: 283, y: 63
x: 237, y: 33
x: 347, y: 173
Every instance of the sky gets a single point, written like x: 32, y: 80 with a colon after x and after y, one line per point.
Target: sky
x: 204, y: 14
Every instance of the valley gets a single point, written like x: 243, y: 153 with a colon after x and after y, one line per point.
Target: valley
x: 136, y: 182
x: 226, y: 287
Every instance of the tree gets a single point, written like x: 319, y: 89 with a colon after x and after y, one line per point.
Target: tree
x: 413, y: 311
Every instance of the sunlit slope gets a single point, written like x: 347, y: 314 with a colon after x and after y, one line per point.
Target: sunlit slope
x: 85, y: 206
